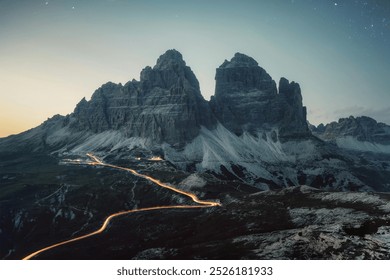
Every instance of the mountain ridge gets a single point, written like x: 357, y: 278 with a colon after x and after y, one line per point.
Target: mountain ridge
x: 251, y: 130
x: 356, y: 133
x: 171, y: 84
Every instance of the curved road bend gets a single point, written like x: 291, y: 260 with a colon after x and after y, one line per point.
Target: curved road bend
x: 97, y: 161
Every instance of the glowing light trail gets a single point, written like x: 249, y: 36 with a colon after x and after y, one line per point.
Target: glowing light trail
x: 97, y: 161
x: 155, y: 158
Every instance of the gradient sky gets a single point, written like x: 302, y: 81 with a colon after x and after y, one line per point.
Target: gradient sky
x: 54, y: 53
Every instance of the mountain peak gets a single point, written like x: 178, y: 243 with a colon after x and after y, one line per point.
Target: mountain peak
x: 171, y: 58
x: 240, y: 60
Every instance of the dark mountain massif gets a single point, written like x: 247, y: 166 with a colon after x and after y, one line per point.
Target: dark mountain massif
x: 165, y: 106
x: 249, y: 147
x: 250, y: 130
x: 246, y: 99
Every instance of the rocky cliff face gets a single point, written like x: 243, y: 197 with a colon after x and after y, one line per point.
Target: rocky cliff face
x: 293, y: 122
x: 164, y: 106
x: 246, y: 99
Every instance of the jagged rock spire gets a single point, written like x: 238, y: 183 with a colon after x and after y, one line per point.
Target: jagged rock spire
x: 169, y: 60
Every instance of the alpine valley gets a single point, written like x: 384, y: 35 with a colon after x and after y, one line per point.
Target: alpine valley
x: 242, y: 176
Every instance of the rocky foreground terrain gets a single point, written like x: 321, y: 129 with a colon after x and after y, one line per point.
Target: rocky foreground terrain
x: 296, y: 223
x: 292, y: 223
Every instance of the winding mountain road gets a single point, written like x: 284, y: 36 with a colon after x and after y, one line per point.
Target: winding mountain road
x: 96, y: 161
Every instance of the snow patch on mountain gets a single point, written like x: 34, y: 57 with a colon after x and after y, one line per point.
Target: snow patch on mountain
x: 354, y: 197
x: 192, y: 181
x: 351, y: 143
x: 213, y: 148
x: 252, y: 154
x: 109, y: 140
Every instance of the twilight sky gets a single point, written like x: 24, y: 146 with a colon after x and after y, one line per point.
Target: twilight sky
x: 53, y: 53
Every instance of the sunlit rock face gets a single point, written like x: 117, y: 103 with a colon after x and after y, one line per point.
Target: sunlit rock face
x: 164, y: 106
x: 246, y: 99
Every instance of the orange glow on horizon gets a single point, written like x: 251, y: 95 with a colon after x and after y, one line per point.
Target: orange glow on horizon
x: 10, y: 126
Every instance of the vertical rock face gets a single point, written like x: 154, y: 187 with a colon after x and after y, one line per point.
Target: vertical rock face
x: 165, y: 106
x: 242, y: 92
x: 246, y: 99
x: 243, y: 74
x: 293, y: 121
x: 93, y: 115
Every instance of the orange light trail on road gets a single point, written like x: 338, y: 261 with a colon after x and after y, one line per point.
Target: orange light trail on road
x: 97, y: 161
x: 155, y: 158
